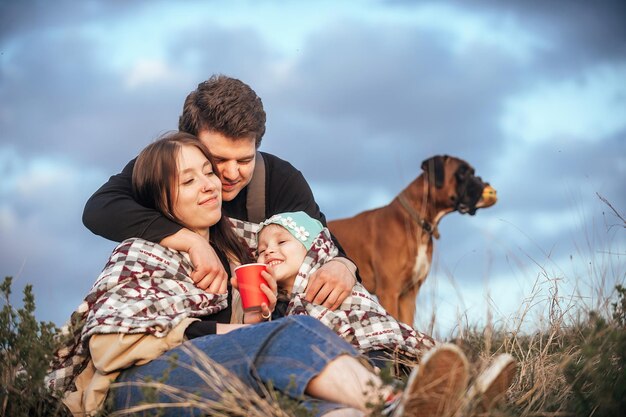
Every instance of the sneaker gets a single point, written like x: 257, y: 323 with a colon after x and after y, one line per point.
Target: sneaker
x: 435, y: 386
x: 491, y: 384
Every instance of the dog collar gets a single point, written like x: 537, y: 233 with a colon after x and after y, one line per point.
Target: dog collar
x: 428, y: 227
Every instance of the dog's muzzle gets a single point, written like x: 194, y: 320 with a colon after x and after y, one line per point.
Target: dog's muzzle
x: 473, y: 194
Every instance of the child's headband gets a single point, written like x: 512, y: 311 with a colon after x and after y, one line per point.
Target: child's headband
x: 302, y: 226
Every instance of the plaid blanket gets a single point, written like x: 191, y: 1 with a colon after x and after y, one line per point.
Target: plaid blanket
x: 361, y: 320
x: 144, y: 288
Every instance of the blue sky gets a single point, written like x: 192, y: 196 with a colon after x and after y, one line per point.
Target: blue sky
x: 532, y: 94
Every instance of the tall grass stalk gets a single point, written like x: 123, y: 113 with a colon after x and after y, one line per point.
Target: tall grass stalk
x: 234, y: 399
x: 569, y: 341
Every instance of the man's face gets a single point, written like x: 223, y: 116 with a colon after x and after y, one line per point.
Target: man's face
x: 234, y: 160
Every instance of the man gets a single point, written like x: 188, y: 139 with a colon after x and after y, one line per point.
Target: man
x: 228, y: 117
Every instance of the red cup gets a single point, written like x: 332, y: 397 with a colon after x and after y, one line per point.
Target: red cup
x: 249, y: 281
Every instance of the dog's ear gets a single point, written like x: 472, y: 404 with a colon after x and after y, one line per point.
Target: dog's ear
x: 433, y: 167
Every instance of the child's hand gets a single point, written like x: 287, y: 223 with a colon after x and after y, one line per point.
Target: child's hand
x: 271, y: 291
x: 264, y: 312
x: 253, y: 316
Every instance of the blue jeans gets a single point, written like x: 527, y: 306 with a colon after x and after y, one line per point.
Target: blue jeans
x: 286, y: 353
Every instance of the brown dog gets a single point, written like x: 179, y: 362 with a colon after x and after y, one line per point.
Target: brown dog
x: 393, y: 245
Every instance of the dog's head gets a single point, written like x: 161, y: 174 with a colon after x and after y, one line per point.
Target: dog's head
x: 463, y: 190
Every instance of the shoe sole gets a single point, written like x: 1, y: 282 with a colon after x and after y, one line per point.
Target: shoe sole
x: 491, y: 385
x: 436, y: 386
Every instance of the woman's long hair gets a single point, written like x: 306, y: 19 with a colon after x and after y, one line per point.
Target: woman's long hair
x: 155, y: 176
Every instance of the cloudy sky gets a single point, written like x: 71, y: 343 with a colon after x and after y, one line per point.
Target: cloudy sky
x: 532, y: 94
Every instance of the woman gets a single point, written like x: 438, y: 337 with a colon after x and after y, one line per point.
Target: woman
x: 144, y: 306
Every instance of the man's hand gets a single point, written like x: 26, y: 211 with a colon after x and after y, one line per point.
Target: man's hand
x: 208, y: 272
x: 330, y: 285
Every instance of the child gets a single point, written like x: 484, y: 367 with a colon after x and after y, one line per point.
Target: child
x: 294, y: 245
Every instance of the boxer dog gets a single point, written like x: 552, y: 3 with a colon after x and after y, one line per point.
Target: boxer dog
x: 393, y: 245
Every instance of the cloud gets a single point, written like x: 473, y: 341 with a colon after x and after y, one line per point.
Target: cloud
x: 580, y: 32
x: 389, y: 105
x: 64, y: 103
x: 147, y: 71
x: 43, y: 193
x: 585, y: 107
x: 43, y: 240
x: 20, y: 18
x: 467, y: 30
x: 356, y: 98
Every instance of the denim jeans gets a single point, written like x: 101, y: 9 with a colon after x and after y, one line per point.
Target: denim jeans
x: 287, y: 353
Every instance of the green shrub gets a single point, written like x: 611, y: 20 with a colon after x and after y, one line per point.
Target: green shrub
x: 597, y: 372
x: 26, y: 347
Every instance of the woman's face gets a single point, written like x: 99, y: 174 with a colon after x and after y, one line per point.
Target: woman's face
x: 197, y: 194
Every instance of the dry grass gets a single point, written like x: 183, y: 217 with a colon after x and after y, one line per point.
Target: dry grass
x: 571, y: 355
x: 558, y: 366
x: 572, y: 362
x: 236, y: 398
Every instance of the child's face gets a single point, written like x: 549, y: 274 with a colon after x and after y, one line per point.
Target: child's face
x: 279, y: 249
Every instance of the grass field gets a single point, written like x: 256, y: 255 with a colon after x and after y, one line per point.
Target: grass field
x: 570, y: 348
